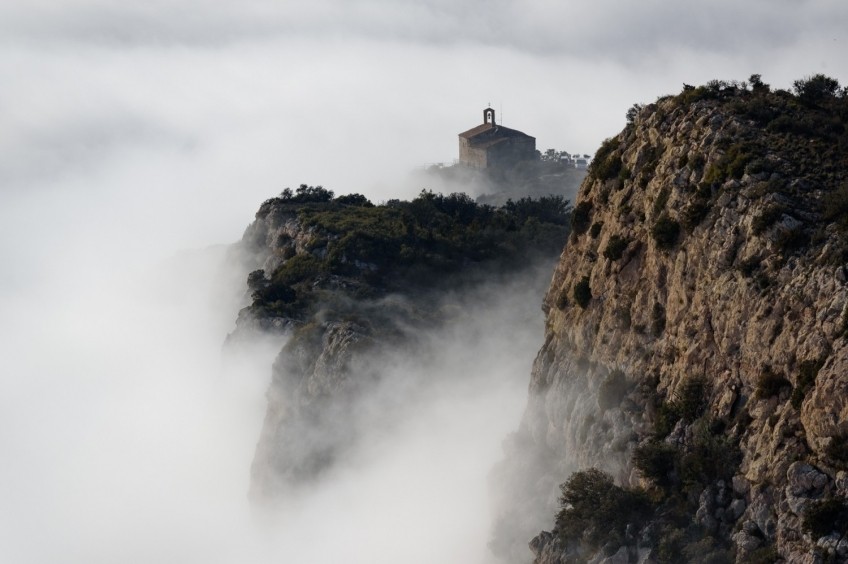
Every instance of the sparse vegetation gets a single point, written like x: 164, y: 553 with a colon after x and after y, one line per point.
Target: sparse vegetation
x: 398, y: 244
x: 778, y: 160
x: 822, y: 517
x: 581, y: 218
x: 657, y: 319
x: 595, y: 230
x: 665, y: 232
x: 596, y: 511
x: 770, y: 384
x: 657, y: 461
x: 807, y: 372
x: 837, y: 451
x: 615, y: 247
x: 583, y: 292
x: 606, y: 163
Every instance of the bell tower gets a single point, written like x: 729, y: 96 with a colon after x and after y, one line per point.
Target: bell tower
x: 489, y: 116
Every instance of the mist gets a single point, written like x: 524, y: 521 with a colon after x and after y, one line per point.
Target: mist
x: 129, y: 430
x: 138, y: 141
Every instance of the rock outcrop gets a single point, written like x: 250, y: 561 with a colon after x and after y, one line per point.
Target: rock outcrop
x: 357, y: 289
x: 696, y: 328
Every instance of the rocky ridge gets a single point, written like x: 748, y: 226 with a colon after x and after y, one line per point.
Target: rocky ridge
x: 353, y: 287
x: 695, y: 346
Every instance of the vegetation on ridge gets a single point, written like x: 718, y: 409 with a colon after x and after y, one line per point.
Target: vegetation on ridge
x: 362, y: 250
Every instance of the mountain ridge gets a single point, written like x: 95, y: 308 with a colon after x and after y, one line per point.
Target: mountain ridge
x: 695, y: 346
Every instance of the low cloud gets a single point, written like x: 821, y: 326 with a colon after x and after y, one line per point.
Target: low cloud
x: 134, y: 131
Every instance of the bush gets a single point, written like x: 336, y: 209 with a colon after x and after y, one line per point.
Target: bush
x: 615, y: 247
x: 822, y: 517
x: 656, y: 461
x: 297, y: 269
x: 596, y: 511
x: 657, y: 320
x: 665, y: 232
x: 581, y: 218
x: 710, y: 457
x: 836, y: 207
x: 595, y: 230
x: 764, y: 555
x: 816, y: 88
x: 694, y: 213
x: 837, y: 451
x: 583, y: 292
x: 633, y: 112
x: 606, y: 163
x: 767, y: 218
x: 304, y: 194
x: 769, y: 384
x: 807, y: 372
x: 354, y: 200
x: 691, y: 397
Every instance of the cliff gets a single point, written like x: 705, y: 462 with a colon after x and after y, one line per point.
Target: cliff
x: 695, y: 349
x: 358, y: 291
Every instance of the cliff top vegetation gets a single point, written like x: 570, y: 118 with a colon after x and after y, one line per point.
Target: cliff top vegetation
x: 362, y: 250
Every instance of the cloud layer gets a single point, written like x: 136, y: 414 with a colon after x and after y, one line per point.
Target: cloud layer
x: 132, y: 131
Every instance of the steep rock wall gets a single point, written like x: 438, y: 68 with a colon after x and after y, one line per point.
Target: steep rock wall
x: 684, y: 263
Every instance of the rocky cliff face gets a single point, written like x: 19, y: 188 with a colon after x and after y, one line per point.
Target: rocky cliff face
x: 695, y: 344
x: 360, y: 291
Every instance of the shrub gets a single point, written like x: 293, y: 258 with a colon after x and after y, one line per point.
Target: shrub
x: 836, y: 207
x: 757, y: 84
x: 354, y: 200
x: 581, y: 217
x: 595, y: 510
x: 665, y: 418
x: 748, y: 266
x: 769, y: 383
x: 694, y: 213
x: 710, y: 457
x: 656, y: 461
x: 582, y: 292
x: 837, y: 450
x: 607, y: 161
x: 595, y: 230
x: 691, y: 397
x: 615, y: 247
x: 816, y: 88
x: 764, y: 555
x: 807, y: 372
x: 608, y: 168
x: 297, y: 269
x: 665, y: 232
x: 657, y: 320
x: 633, y: 112
x: 766, y: 218
x: 822, y: 517
x: 731, y: 164
x: 304, y: 194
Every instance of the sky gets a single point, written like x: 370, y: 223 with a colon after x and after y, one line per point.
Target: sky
x: 138, y: 137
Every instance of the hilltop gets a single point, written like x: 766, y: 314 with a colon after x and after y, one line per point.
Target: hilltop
x: 349, y: 282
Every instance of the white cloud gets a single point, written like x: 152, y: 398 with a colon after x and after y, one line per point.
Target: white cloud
x: 134, y: 130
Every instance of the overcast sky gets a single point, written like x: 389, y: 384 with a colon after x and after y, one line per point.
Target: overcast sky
x: 130, y: 131
x: 180, y: 103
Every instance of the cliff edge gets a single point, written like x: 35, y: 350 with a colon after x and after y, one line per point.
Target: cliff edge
x: 692, y: 389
